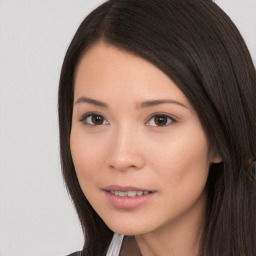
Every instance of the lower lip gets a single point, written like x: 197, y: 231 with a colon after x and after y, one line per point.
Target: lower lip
x: 127, y: 202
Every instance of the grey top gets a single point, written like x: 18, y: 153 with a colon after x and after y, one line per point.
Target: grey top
x: 115, y: 245
x: 120, y: 246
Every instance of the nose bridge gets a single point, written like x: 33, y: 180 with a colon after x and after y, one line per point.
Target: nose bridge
x: 125, y: 149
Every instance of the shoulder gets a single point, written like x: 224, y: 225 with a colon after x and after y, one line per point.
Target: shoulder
x: 75, y: 254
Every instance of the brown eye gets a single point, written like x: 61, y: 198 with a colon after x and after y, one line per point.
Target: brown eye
x: 160, y: 120
x: 94, y: 119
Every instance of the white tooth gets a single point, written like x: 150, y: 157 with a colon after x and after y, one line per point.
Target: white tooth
x: 131, y: 193
x: 146, y: 192
x: 112, y: 192
x: 139, y: 193
x: 122, y: 193
x: 116, y: 193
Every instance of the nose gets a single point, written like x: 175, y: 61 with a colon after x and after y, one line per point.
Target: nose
x: 125, y: 151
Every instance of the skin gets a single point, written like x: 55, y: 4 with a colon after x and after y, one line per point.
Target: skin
x: 130, y: 148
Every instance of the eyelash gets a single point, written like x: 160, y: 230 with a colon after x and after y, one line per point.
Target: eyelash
x: 169, y: 120
x: 91, y: 115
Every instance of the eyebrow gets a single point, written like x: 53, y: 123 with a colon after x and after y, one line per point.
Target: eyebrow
x: 91, y: 101
x: 152, y: 103
x: 144, y: 104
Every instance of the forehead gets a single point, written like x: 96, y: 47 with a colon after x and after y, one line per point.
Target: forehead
x: 106, y: 70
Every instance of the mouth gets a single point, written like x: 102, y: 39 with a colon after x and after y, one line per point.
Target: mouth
x: 129, y: 193
x: 127, y: 197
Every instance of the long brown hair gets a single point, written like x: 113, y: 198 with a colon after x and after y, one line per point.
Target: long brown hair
x: 196, y: 44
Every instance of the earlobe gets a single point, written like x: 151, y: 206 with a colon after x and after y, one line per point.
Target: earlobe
x: 215, y: 158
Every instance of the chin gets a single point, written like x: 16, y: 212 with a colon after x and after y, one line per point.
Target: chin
x: 127, y: 231
x: 129, y: 228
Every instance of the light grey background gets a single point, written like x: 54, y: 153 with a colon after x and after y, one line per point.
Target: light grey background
x: 36, y: 215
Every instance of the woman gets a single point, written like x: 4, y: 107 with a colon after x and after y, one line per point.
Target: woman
x: 158, y: 130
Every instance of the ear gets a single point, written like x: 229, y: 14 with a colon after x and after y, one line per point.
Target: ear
x: 215, y: 158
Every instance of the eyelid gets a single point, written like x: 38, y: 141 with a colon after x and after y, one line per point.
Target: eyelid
x: 160, y: 114
x: 86, y: 115
x: 173, y: 120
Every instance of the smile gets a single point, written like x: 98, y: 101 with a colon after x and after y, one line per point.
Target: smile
x: 128, y: 197
x: 129, y: 193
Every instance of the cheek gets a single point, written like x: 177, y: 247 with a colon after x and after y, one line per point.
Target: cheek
x: 184, y: 163
x: 182, y: 175
x: 85, y: 157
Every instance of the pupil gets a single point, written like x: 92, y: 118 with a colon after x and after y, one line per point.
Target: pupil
x: 160, y: 120
x: 98, y: 120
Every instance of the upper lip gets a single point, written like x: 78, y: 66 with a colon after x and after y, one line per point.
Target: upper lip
x: 124, y: 188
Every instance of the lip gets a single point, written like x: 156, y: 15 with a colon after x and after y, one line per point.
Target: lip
x: 124, y: 188
x: 127, y: 202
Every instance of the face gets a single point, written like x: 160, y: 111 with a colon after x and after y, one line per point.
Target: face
x: 139, y: 151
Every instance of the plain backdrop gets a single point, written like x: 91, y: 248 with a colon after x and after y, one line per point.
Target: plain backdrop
x: 37, y: 217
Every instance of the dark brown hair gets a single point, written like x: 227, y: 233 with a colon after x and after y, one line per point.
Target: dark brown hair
x: 196, y: 44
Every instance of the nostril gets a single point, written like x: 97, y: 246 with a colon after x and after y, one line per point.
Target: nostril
x: 123, y: 167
